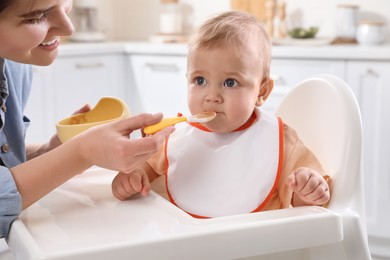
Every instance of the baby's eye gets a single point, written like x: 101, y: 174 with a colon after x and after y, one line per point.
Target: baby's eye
x: 230, y: 83
x: 200, y: 81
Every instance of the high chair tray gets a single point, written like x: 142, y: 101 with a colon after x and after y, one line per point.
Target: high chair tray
x: 82, y: 220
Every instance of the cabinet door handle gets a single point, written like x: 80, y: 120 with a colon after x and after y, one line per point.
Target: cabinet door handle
x: 278, y: 80
x: 371, y: 72
x: 89, y: 65
x: 170, y: 67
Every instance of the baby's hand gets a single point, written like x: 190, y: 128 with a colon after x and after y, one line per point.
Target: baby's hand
x: 309, y: 186
x: 126, y: 185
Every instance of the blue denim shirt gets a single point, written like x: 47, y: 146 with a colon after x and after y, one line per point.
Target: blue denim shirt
x: 15, y: 85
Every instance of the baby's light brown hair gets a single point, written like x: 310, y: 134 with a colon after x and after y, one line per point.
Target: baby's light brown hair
x: 233, y: 28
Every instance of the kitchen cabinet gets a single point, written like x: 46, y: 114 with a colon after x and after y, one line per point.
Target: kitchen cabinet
x: 371, y: 83
x: 81, y: 80
x: 68, y: 84
x: 38, y: 108
x: 159, y: 84
x: 286, y: 73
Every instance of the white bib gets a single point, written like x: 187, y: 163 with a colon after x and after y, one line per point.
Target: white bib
x: 214, y: 175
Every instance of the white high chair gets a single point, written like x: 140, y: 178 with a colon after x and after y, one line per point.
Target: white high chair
x: 82, y: 220
x: 326, y: 116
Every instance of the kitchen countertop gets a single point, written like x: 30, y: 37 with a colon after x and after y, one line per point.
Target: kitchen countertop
x: 350, y: 52
x: 70, y: 49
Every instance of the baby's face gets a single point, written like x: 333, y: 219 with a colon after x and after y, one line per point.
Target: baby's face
x: 226, y: 82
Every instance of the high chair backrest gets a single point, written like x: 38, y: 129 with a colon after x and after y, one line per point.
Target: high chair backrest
x: 324, y: 112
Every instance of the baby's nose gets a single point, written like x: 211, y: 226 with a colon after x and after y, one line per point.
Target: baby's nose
x: 214, y: 98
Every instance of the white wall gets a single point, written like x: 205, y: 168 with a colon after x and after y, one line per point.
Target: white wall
x: 138, y: 19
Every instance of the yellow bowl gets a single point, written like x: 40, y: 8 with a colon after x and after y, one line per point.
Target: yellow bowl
x: 108, y: 109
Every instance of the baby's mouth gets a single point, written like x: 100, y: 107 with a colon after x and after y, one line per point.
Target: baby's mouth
x: 49, y: 43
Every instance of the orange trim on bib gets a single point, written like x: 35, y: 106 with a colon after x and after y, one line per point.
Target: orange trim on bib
x: 280, y: 165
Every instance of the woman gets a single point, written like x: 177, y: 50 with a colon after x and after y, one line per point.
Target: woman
x: 30, y: 32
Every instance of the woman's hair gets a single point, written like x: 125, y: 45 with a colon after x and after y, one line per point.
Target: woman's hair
x: 4, y: 4
x: 233, y: 28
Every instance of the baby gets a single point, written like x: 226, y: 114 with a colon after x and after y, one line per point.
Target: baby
x: 246, y: 159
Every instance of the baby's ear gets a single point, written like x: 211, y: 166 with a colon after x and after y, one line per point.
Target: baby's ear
x: 267, y: 85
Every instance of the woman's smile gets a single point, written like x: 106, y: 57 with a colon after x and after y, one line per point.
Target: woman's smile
x: 50, y: 45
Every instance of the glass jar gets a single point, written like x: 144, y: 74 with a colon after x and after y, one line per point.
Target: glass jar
x: 346, y: 21
x: 170, y: 17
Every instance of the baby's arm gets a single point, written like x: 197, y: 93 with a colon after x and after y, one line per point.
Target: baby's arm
x: 309, y: 187
x: 126, y: 185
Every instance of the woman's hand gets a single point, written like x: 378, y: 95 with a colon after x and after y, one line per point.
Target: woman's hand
x: 110, y: 146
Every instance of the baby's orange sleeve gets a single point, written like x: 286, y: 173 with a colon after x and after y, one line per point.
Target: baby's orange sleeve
x: 157, y: 161
x: 296, y: 155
